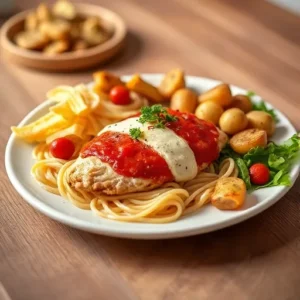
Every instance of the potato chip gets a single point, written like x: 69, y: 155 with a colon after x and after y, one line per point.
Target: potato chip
x: 63, y: 108
x: 74, y: 98
x: 74, y: 130
x: 93, y: 125
x: 40, y: 129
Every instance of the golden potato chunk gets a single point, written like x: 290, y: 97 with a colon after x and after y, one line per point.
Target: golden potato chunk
x: 105, y: 81
x: 233, y: 121
x: 33, y: 40
x: 56, y: 47
x: 173, y: 81
x: 209, y: 111
x: 229, y: 193
x: 184, y: 100
x: 261, y: 120
x: 221, y: 94
x: 245, y: 140
x: 64, y: 9
x: 56, y: 30
x: 138, y: 85
x: 242, y: 102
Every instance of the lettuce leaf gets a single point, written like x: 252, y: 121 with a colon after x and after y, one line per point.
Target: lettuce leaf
x: 278, y: 158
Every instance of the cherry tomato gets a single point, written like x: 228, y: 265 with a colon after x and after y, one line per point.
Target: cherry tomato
x: 62, y: 148
x: 259, y: 174
x: 119, y: 95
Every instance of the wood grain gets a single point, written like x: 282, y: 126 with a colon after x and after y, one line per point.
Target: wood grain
x: 249, y: 43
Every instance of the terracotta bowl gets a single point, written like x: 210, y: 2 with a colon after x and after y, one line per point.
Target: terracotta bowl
x: 67, y: 61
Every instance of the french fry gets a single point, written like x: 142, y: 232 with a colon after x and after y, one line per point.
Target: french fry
x: 74, y: 130
x: 105, y: 81
x: 40, y: 129
x: 138, y: 85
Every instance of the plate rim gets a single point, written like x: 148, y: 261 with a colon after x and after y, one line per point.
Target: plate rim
x: 140, y: 233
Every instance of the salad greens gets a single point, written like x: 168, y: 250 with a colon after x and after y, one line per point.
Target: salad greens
x: 278, y: 158
x: 262, y: 106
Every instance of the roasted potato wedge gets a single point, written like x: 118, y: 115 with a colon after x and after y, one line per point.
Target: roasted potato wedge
x: 33, y: 40
x: 91, y: 24
x: 56, y: 30
x: 92, y: 31
x: 242, y: 102
x: 173, y: 81
x: 185, y: 100
x: 138, y: 85
x: 64, y: 9
x: 105, y: 81
x: 31, y: 22
x: 233, y: 121
x: 95, y: 37
x: 261, y: 120
x: 57, y: 47
x: 221, y: 94
x: 209, y: 111
x: 43, y: 13
x: 229, y: 193
x: 243, y: 141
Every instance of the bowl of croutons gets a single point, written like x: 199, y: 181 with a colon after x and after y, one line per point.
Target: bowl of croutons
x: 63, y: 37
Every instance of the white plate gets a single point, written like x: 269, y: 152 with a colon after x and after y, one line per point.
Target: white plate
x: 18, y: 162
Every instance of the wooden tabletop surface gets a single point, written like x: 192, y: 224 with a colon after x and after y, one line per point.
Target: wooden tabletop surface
x: 252, y: 44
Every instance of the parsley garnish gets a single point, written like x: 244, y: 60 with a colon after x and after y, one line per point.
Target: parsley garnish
x: 262, y: 106
x: 135, y: 133
x: 157, y: 115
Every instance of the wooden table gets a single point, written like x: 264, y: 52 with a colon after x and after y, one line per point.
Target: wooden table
x: 248, y: 43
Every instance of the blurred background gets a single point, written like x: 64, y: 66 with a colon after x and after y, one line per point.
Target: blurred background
x: 254, y: 44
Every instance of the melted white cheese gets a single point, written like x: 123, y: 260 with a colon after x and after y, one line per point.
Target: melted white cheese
x: 174, y: 149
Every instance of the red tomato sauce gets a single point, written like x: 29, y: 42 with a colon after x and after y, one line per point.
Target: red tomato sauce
x: 202, y: 136
x: 128, y: 157
x: 133, y: 158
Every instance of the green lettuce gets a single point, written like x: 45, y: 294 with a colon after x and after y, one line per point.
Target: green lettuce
x: 278, y: 158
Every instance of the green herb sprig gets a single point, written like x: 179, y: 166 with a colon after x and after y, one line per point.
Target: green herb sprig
x: 135, y: 133
x: 156, y: 115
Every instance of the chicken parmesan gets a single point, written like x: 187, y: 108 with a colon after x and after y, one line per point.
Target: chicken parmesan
x: 144, y: 152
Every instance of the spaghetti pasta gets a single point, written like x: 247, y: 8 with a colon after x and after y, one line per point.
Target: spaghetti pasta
x: 161, y: 205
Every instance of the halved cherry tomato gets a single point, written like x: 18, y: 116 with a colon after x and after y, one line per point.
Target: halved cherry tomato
x: 62, y: 148
x: 119, y: 95
x: 259, y: 174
